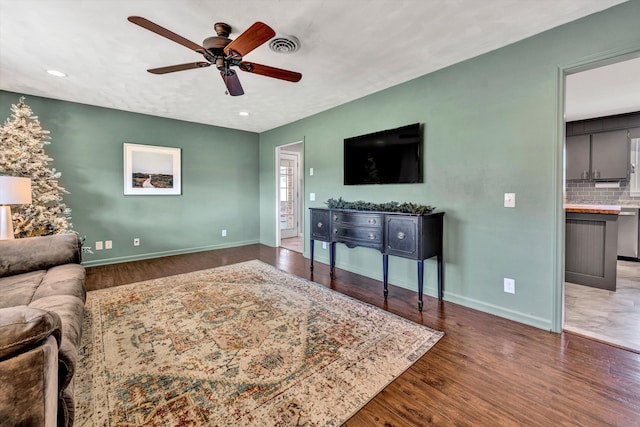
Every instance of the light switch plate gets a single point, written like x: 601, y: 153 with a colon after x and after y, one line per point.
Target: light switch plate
x: 98, y: 246
x: 509, y: 200
x: 310, y: 171
x: 312, y: 197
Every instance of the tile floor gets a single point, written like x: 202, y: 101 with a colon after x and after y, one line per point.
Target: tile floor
x: 612, y: 317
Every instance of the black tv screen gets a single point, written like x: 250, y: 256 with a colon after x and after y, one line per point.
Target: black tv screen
x: 387, y: 157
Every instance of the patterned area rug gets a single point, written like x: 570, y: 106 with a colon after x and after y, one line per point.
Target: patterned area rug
x: 244, y: 345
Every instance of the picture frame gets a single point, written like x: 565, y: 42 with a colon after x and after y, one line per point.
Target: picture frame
x: 151, y: 170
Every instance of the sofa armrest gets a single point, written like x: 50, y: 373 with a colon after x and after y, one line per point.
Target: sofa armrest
x: 38, y: 253
x: 22, y: 328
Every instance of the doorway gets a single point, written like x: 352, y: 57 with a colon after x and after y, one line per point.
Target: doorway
x: 289, y: 203
x: 600, y: 90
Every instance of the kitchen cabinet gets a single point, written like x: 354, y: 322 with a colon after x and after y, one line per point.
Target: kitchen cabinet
x: 628, y: 234
x: 610, y: 155
x: 591, y: 241
x: 579, y: 157
x: 602, y: 156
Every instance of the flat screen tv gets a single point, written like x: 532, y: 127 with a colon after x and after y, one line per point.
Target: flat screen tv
x: 388, y: 157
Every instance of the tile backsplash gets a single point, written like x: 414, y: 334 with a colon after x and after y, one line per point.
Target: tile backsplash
x: 586, y: 192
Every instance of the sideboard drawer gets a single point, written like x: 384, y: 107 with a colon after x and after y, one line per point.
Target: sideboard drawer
x: 369, y: 237
x: 321, y: 225
x: 358, y: 219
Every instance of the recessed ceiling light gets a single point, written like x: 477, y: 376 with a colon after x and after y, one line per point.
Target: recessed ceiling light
x: 243, y: 113
x: 56, y: 73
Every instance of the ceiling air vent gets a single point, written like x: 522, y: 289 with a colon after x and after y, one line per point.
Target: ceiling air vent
x: 287, y: 44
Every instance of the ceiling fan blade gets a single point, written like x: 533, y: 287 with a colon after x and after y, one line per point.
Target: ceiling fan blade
x: 265, y: 70
x: 179, y: 67
x: 232, y: 82
x: 250, y: 39
x: 145, y: 23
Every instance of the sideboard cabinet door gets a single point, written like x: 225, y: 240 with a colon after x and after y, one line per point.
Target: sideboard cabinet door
x: 321, y: 224
x: 402, y: 236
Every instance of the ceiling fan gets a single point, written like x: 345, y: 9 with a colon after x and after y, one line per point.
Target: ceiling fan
x: 223, y: 52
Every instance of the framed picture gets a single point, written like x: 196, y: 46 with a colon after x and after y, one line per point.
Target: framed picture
x: 151, y: 170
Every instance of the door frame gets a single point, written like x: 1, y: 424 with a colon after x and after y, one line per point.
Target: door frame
x: 293, y: 156
x: 587, y: 63
x: 276, y: 196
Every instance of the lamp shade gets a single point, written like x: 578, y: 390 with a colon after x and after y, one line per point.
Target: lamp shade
x: 15, y: 190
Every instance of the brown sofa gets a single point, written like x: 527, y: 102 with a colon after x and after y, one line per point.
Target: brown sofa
x: 42, y: 296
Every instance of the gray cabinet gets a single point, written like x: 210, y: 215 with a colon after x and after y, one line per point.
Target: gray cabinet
x: 628, y: 234
x: 602, y: 156
x: 579, y: 157
x: 610, y: 155
x: 591, y: 249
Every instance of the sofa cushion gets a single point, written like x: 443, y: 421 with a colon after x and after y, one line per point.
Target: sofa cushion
x: 38, y: 253
x: 23, y: 327
x: 70, y: 310
x: 19, y: 289
x: 29, y: 395
x: 62, y: 280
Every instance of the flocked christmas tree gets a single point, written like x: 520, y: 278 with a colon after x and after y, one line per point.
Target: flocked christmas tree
x: 22, y: 141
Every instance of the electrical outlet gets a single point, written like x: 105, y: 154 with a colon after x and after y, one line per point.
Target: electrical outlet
x: 509, y: 286
x: 312, y: 197
x: 136, y: 241
x: 224, y: 233
x: 324, y: 245
x: 99, y: 246
x: 108, y: 244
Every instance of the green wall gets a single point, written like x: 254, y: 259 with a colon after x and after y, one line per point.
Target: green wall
x: 219, y: 180
x: 492, y: 125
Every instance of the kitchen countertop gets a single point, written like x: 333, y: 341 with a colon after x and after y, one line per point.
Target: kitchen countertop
x: 596, y: 209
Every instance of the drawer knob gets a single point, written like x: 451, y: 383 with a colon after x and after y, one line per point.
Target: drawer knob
x: 401, y: 235
x: 372, y: 236
x: 320, y: 224
x: 372, y: 221
x: 335, y: 217
x: 335, y: 231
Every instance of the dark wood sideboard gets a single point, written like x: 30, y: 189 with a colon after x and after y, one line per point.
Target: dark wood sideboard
x: 411, y: 236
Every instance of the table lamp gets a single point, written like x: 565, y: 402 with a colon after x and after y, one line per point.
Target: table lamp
x: 13, y: 191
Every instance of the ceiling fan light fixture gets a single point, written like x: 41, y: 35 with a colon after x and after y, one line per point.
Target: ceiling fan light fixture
x: 288, y: 44
x: 56, y: 73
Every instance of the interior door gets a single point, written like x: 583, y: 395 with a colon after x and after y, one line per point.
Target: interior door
x: 288, y: 194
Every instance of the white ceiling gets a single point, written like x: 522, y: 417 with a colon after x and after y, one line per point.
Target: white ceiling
x: 603, y: 91
x: 349, y: 49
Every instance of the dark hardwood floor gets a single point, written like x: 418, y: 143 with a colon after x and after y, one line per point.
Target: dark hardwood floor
x: 486, y: 371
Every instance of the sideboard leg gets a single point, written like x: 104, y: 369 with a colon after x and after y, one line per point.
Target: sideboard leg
x: 420, y: 282
x: 311, y: 250
x: 332, y: 259
x: 440, y: 278
x: 385, y: 273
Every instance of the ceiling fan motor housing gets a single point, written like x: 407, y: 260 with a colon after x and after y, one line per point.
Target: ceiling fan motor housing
x: 216, y: 44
